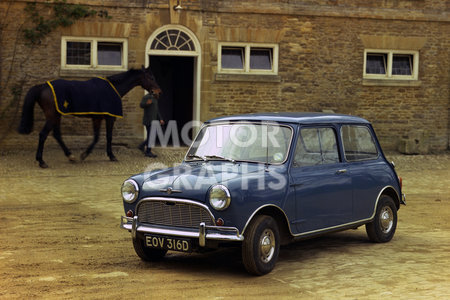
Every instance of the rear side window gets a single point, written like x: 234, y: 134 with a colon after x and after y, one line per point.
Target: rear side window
x: 316, y: 146
x: 358, y: 143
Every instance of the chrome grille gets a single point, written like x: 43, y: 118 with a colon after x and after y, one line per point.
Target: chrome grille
x: 173, y: 213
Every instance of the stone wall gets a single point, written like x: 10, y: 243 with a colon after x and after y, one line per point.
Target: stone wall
x: 321, y: 46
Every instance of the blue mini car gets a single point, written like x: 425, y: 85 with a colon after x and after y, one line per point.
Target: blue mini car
x: 263, y: 180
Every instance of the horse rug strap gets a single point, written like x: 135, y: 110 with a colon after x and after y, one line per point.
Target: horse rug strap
x: 96, y: 96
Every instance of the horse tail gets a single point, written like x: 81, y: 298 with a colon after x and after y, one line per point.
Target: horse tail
x: 26, y: 122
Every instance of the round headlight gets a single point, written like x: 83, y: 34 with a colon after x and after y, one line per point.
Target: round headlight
x: 219, y: 197
x: 130, y: 191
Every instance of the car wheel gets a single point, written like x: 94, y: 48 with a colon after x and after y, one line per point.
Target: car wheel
x: 261, y: 245
x: 383, y: 226
x: 146, y: 253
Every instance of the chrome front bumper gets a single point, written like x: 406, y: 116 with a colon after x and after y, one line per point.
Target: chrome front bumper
x: 218, y: 233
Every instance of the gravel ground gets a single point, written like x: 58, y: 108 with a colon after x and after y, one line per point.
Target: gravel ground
x: 60, y: 238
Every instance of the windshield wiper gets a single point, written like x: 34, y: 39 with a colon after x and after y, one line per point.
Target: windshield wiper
x: 196, y: 156
x: 220, y: 157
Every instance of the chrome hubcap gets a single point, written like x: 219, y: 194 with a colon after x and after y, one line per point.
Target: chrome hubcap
x: 386, y: 219
x: 267, y: 245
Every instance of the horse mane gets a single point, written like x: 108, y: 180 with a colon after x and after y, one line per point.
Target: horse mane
x: 123, y: 75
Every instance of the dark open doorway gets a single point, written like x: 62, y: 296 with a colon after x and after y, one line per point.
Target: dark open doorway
x: 175, y: 75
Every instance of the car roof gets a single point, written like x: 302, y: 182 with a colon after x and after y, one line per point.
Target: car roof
x: 293, y: 117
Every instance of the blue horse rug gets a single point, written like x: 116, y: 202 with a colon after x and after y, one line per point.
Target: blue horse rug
x: 96, y: 96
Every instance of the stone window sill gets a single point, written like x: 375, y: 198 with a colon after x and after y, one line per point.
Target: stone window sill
x: 248, y: 77
x: 391, y: 82
x: 87, y: 73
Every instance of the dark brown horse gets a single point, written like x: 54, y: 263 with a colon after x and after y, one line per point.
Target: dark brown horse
x: 44, y: 96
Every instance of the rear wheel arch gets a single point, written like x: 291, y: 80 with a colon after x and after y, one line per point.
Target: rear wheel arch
x: 391, y: 192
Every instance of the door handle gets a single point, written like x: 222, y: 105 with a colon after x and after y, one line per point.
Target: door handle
x: 341, y: 171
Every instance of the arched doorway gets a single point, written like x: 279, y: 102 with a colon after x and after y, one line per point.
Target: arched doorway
x: 173, y: 54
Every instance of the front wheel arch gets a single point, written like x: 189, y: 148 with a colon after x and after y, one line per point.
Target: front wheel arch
x: 278, y: 215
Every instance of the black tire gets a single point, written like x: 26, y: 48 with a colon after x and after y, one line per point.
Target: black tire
x: 261, y: 245
x: 146, y: 253
x: 382, y: 228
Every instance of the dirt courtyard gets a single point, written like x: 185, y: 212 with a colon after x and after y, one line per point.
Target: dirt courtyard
x: 60, y: 238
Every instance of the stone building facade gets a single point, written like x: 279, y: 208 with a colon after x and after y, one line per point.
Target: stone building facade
x: 215, y: 58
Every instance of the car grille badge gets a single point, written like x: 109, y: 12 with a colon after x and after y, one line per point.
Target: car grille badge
x: 169, y: 191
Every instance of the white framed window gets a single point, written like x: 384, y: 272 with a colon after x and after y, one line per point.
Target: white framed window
x: 391, y: 64
x: 94, y: 53
x: 248, y: 58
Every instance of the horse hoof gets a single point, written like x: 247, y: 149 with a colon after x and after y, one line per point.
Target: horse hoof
x: 43, y: 165
x: 71, y: 158
x: 113, y: 158
x: 83, y: 156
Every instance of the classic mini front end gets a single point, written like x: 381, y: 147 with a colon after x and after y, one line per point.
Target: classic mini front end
x: 262, y: 180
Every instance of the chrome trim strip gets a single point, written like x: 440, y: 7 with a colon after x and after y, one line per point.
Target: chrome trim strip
x: 323, y: 229
x: 350, y: 223
x: 261, y: 207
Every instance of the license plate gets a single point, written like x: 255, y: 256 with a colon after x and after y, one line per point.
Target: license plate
x: 168, y: 243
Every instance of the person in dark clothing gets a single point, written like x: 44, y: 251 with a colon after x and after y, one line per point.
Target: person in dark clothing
x: 151, y: 112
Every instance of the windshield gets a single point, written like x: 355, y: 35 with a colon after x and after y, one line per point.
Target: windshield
x: 264, y: 143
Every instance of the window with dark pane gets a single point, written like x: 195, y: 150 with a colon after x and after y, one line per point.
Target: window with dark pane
x: 232, y: 58
x: 109, y: 53
x: 78, y: 53
x: 163, y: 41
x: 173, y: 39
x: 261, y: 58
x: 376, y: 63
x: 402, y: 64
x: 183, y: 43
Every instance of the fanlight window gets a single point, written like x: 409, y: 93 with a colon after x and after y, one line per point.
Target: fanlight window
x: 174, y: 40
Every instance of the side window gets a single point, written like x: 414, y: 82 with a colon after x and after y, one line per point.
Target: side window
x: 391, y: 64
x: 358, y: 143
x: 78, y: 53
x: 244, y: 58
x: 316, y: 146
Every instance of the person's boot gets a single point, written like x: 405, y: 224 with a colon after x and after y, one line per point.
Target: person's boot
x: 149, y: 153
x: 142, y: 147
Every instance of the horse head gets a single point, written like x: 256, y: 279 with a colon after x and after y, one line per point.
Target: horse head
x: 149, y: 82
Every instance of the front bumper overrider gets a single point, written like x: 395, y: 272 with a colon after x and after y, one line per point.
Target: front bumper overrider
x: 204, y: 233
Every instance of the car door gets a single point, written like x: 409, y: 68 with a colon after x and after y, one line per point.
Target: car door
x: 323, y: 188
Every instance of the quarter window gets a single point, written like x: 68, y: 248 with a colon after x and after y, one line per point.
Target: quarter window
x: 316, y: 146
x: 92, y: 53
x: 385, y: 64
x: 358, y: 143
x: 242, y: 58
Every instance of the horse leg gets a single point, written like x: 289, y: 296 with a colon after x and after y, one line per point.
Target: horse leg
x: 109, y: 130
x: 96, y: 124
x: 58, y: 138
x: 42, y: 137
